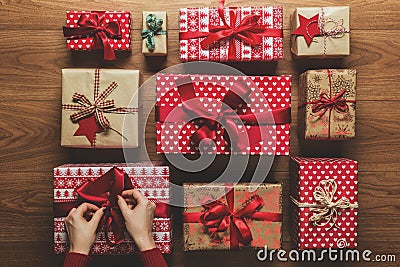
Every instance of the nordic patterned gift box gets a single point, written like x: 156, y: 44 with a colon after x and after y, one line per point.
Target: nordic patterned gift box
x: 323, y: 193
x: 72, y: 179
x: 240, y: 114
x: 231, y: 33
x: 99, y: 30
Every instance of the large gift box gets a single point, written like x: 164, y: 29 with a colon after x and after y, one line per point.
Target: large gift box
x: 223, y: 114
x: 154, y: 33
x: 321, y: 31
x: 231, y: 33
x: 323, y: 194
x: 99, y: 30
x: 95, y: 105
x: 100, y: 184
x: 231, y: 217
x: 328, y: 110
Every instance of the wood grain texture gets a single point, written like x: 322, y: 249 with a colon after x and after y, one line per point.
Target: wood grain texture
x: 33, y: 52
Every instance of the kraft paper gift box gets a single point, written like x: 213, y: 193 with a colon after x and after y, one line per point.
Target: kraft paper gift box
x: 232, y: 218
x: 154, y: 34
x: 181, y: 128
x: 321, y: 31
x: 323, y: 193
x: 95, y: 105
x: 99, y: 30
x: 231, y: 33
x: 77, y: 183
x: 328, y: 110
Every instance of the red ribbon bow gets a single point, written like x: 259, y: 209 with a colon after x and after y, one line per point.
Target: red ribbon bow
x: 325, y: 103
x: 218, y: 217
x: 94, y: 24
x: 226, y: 120
x: 248, y: 31
x: 103, y: 192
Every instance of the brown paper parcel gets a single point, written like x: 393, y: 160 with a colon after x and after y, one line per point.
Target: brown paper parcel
x: 161, y: 40
x: 124, y: 95
x: 336, y: 46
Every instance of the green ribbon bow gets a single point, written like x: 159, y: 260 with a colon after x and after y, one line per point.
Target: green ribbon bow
x: 154, y: 28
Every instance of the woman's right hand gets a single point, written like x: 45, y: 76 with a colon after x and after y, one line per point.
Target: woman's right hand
x: 138, y: 213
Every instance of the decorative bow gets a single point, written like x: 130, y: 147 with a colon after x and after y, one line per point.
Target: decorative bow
x: 325, y: 103
x: 94, y: 24
x: 248, y: 31
x: 85, y: 108
x: 325, y: 209
x: 222, y: 119
x: 218, y: 217
x: 103, y: 192
x: 154, y: 26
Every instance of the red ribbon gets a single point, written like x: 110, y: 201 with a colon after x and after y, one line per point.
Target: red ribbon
x: 248, y: 31
x: 103, y: 192
x: 218, y: 217
x: 94, y: 24
x: 328, y: 103
x: 227, y: 115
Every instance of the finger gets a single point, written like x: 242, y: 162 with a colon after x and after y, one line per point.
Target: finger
x: 136, y: 194
x: 123, y: 206
x: 84, y: 207
x: 71, y: 211
x: 97, y: 216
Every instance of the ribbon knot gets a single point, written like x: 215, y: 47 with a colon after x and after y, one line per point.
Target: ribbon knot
x: 325, y: 103
x: 94, y: 24
x: 154, y: 26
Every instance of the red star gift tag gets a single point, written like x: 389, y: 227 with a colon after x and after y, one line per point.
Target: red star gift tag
x: 308, y: 28
x: 89, y: 127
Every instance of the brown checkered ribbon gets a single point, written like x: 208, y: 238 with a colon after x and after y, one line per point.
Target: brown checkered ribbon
x: 100, y: 105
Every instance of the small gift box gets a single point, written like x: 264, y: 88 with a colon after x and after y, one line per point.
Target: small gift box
x: 329, y: 104
x: 99, y: 30
x: 324, y: 202
x: 231, y: 33
x: 321, y: 31
x: 231, y: 217
x: 154, y: 33
x: 100, y: 184
x: 223, y: 114
x: 96, y: 103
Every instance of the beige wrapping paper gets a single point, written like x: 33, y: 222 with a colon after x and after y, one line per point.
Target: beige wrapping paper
x: 161, y: 40
x: 196, y: 236
x: 336, y: 126
x: 125, y: 95
x: 335, y: 47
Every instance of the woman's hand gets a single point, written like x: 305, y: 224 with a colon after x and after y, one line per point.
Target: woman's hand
x: 138, y: 213
x: 81, y: 224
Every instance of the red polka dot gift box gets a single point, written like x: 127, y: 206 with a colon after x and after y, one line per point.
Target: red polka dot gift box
x: 324, y: 205
x: 99, y: 184
x: 221, y: 114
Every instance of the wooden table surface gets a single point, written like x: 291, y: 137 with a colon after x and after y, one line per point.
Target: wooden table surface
x: 33, y: 52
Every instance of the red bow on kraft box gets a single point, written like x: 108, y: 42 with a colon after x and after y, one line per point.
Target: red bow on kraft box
x: 220, y: 114
x: 241, y: 37
x: 98, y: 30
x: 221, y: 216
x: 103, y: 192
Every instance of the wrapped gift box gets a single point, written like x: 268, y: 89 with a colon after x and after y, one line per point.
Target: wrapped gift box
x: 152, y: 181
x: 99, y: 30
x: 96, y: 102
x: 321, y: 31
x: 329, y: 104
x: 244, y: 215
x: 209, y: 109
x: 154, y: 34
x: 256, y: 33
x: 323, y: 202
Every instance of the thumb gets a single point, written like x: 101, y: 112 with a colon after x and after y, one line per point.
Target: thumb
x: 123, y: 206
x: 97, y: 216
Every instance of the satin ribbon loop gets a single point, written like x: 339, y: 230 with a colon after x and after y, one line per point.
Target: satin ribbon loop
x: 325, y: 103
x: 154, y: 26
x: 94, y: 24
